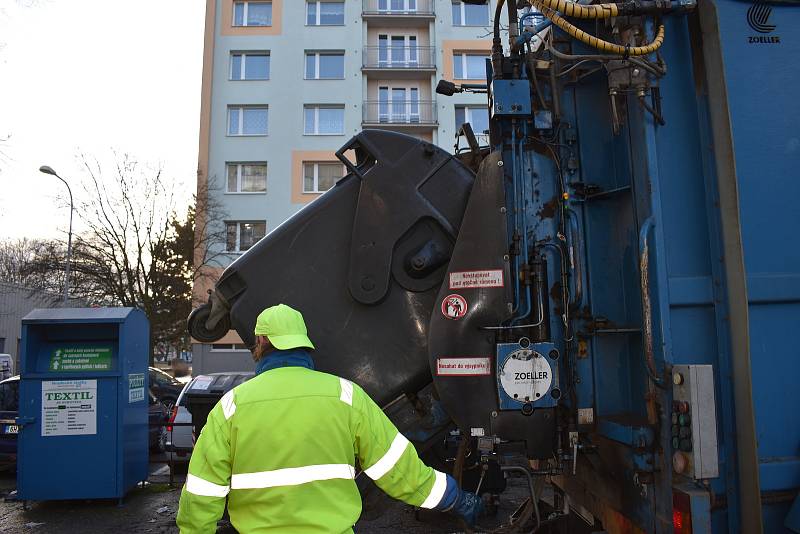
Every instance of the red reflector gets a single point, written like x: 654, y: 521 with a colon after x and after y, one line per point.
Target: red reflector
x: 681, y: 514
x: 172, y: 417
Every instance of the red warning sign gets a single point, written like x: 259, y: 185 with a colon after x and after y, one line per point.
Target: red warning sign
x: 454, y: 307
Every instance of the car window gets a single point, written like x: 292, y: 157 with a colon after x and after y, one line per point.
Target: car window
x: 161, y: 378
x: 9, y: 396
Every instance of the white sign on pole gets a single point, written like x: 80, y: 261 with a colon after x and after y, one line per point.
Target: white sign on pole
x: 69, y: 407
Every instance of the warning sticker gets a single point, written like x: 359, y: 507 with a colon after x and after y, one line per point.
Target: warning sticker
x: 472, y: 279
x: 454, y: 307
x: 469, y: 366
x: 69, y: 407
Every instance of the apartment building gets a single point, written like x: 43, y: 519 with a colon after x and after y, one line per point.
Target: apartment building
x: 288, y: 82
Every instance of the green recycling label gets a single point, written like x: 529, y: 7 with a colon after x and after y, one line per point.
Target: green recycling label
x: 81, y: 359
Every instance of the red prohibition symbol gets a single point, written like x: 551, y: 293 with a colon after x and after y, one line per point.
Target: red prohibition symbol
x: 454, y: 307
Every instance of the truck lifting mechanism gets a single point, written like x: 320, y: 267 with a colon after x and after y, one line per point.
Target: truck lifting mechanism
x: 562, y: 299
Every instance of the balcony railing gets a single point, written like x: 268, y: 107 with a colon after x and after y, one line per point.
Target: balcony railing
x: 399, y: 57
x: 399, y: 7
x: 400, y: 112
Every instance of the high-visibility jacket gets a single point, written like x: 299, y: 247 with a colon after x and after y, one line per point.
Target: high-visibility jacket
x: 282, y: 448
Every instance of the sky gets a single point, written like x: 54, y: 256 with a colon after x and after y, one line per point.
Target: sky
x: 93, y: 76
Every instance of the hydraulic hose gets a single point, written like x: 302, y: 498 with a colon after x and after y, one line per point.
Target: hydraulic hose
x: 600, y: 44
x: 572, y: 9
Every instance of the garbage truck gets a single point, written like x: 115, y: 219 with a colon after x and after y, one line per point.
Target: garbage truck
x: 602, y: 297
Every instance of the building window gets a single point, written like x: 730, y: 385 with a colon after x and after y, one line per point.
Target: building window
x: 241, y: 235
x: 397, y: 50
x: 252, y: 13
x: 324, y: 65
x: 398, y: 104
x: 247, y: 177
x: 236, y: 347
x: 470, y: 14
x: 319, y: 177
x: 477, y: 117
x: 249, y: 66
x: 397, y: 6
x: 248, y: 120
x: 469, y: 66
x: 324, y: 120
x: 324, y: 13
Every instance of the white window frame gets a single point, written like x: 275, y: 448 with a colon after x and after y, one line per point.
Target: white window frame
x: 405, y: 9
x: 240, y: 109
x: 316, y: 165
x: 461, y: 57
x: 316, y: 108
x: 241, y: 347
x: 243, y: 68
x: 319, y: 12
x: 244, y: 14
x: 464, y: 16
x: 239, y: 165
x: 239, y: 224
x: 468, y: 109
x: 407, y: 105
x: 317, y: 54
x: 407, y: 59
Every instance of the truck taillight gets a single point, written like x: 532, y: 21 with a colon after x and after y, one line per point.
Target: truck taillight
x: 172, y: 416
x: 681, y: 514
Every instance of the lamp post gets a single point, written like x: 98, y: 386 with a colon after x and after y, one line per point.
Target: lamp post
x: 49, y: 170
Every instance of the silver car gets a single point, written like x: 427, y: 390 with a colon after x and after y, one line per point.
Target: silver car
x: 180, y: 440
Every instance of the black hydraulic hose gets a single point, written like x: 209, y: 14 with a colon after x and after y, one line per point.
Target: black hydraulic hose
x: 497, y: 44
x: 531, y: 488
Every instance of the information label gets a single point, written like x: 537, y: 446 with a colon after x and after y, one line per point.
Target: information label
x: 468, y: 279
x: 69, y: 407
x: 66, y: 359
x: 468, y: 366
x: 135, y: 387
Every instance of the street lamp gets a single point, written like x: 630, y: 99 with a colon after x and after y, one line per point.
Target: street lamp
x: 49, y: 170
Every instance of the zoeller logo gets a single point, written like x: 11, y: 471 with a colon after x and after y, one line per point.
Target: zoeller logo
x: 758, y: 17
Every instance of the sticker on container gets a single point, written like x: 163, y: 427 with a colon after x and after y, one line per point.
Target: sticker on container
x: 69, y: 407
x: 585, y: 416
x: 135, y: 387
x: 67, y: 359
x: 202, y: 382
x: 454, y: 307
x: 468, y: 366
x: 526, y: 376
x: 477, y: 432
x: 475, y: 279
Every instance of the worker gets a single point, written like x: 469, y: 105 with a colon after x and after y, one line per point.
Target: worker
x: 282, y: 448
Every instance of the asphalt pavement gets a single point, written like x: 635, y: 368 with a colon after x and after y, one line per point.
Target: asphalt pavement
x: 152, y: 509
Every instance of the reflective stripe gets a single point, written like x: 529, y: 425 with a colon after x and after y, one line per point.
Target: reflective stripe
x: 204, y: 488
x: 228, y: 406
x: 437, y: 491
x: 347, y: 391
x: 292, y: 476
x: 392, y: 456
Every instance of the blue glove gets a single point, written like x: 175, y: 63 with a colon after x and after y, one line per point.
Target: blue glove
x: 467, y: 505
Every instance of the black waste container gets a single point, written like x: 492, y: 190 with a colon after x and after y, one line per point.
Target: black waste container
x: 203, y: 393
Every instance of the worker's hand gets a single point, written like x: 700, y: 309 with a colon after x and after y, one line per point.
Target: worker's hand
x: 469, y: 506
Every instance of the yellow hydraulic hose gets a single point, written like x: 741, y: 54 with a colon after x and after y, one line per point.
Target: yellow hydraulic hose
x: 573, y: 9
x: 600, y: 44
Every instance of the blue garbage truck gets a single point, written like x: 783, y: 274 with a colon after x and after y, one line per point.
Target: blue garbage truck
x: 600, y: 291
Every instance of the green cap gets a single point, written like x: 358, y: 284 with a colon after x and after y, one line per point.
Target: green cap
x: 284, y: 327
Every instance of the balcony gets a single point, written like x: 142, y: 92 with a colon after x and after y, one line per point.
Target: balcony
x: 399, y: 12
x: 403, y: 62
x: 403, y: 115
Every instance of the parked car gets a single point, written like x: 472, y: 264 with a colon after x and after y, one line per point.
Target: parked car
x: 157, y: 413
x: 179, y: 438
x: 165, y: 387
x: 9, y: 406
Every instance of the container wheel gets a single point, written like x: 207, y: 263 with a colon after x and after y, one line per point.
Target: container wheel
x: 197, y: 325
